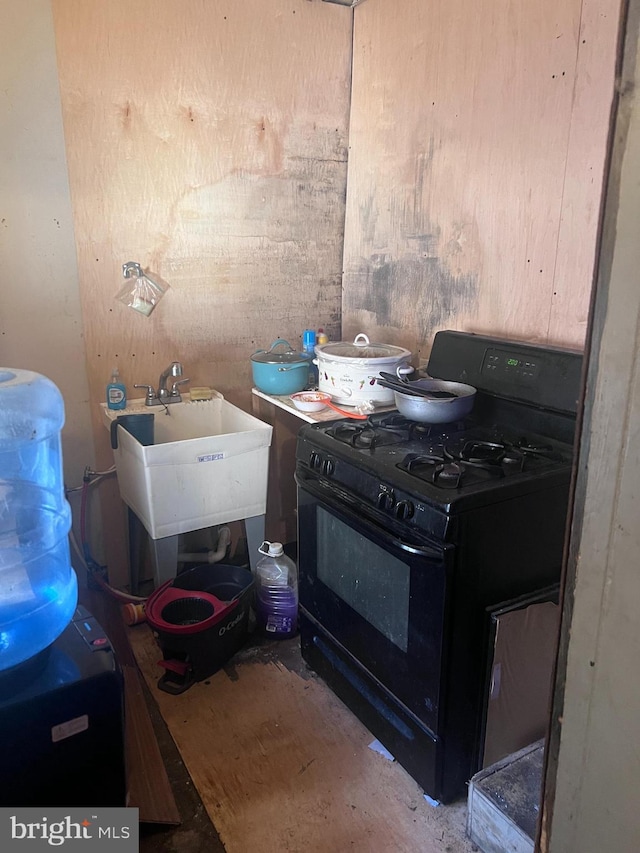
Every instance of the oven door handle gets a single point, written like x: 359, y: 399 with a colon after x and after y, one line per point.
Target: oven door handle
x: 355, y: 510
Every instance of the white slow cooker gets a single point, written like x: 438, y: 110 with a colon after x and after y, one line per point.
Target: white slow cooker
x: 348, y: 371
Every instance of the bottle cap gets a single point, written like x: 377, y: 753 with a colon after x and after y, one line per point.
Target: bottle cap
x: 309, y: 337
x: 271, y: 549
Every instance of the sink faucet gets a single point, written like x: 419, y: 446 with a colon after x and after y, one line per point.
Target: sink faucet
x: 164, y: 395
x: 175, y: 370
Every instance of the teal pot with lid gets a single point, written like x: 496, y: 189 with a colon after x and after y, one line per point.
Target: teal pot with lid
x: 280, y: 370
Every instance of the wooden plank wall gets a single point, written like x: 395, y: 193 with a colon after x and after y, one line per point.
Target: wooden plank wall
x: 40, y: 317
x: 477, y: 147
x: 208, y: 142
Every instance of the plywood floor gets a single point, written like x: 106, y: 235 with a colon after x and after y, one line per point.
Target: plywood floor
x: 282, y: 765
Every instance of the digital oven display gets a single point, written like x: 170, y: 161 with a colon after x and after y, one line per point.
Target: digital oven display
x: 510, y: 366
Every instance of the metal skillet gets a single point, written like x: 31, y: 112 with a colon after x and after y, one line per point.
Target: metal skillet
x: 421, y: 400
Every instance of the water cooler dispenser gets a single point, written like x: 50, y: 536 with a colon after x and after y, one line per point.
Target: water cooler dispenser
x: 61, y: 690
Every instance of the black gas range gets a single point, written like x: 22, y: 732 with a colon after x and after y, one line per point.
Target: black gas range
x: 422, y: 475
x: 409, y: 533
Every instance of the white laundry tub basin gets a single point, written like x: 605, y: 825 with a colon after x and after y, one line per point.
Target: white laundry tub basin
x: 208, y: 465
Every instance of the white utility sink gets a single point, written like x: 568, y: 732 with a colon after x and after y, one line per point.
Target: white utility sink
x: 208, y: 465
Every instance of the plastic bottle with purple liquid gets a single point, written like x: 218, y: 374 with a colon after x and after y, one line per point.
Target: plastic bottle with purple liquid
x: 276, y: 585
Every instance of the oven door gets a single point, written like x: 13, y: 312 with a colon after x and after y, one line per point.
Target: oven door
x: 379, y: 594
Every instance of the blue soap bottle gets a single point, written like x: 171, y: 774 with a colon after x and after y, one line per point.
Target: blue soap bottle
x: 308, y: 347
x: 116, y: 391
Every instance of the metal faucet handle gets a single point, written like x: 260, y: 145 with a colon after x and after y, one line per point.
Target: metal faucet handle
x: 174, y: 387
x: 150, y: 396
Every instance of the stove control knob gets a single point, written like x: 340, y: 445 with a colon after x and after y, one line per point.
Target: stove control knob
x: 386, y: 501
x: 328, y: 467
x: 404, y: 509
x: 315, y: 460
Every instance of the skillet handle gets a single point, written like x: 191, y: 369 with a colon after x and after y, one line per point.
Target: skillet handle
x: 400, y: 387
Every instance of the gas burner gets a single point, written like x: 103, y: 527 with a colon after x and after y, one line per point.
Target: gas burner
x: 487, y: 456
x: 513, y: 459
x: 482, y: 453
x: 347, y: 432
x: 392, y: 420
x: 414, y: 463
x: 529, y: 448
x: 420, y: 431
x: 366, y: 435
x: 445, y: 470
x: 449, y: 475
x: 414, y: 430
x: 435, y: 468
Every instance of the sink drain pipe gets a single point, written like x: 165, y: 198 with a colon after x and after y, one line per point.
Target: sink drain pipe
x: 224, y: 540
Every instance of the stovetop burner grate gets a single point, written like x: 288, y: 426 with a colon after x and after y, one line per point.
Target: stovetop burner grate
x: 459, y: 463
x: 456, y: 458
x: 364, y: 435
x: 380, y: 430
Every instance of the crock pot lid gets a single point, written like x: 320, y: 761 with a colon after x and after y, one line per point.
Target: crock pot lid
x: 362, y: 350
x: 286, y: 357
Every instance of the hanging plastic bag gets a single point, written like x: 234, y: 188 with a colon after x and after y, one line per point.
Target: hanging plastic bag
x: 141, y: 291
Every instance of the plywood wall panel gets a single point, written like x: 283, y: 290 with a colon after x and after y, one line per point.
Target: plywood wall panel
x: 40, y: 318
x: 208, y: 142
x: 460, y: 126
x: 585, y: 174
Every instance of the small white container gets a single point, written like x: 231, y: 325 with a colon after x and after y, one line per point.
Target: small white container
x: 310, y: 401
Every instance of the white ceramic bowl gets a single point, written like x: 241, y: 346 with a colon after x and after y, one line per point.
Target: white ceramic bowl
x: 310, y: 401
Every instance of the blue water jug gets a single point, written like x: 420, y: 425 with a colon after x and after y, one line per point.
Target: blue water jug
x: 38, y: 586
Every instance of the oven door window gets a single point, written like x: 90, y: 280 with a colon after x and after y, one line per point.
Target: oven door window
x: 381, y: 596
x: 375, y: 583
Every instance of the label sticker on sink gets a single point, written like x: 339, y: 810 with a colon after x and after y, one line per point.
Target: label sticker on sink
x: 210, y: 457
